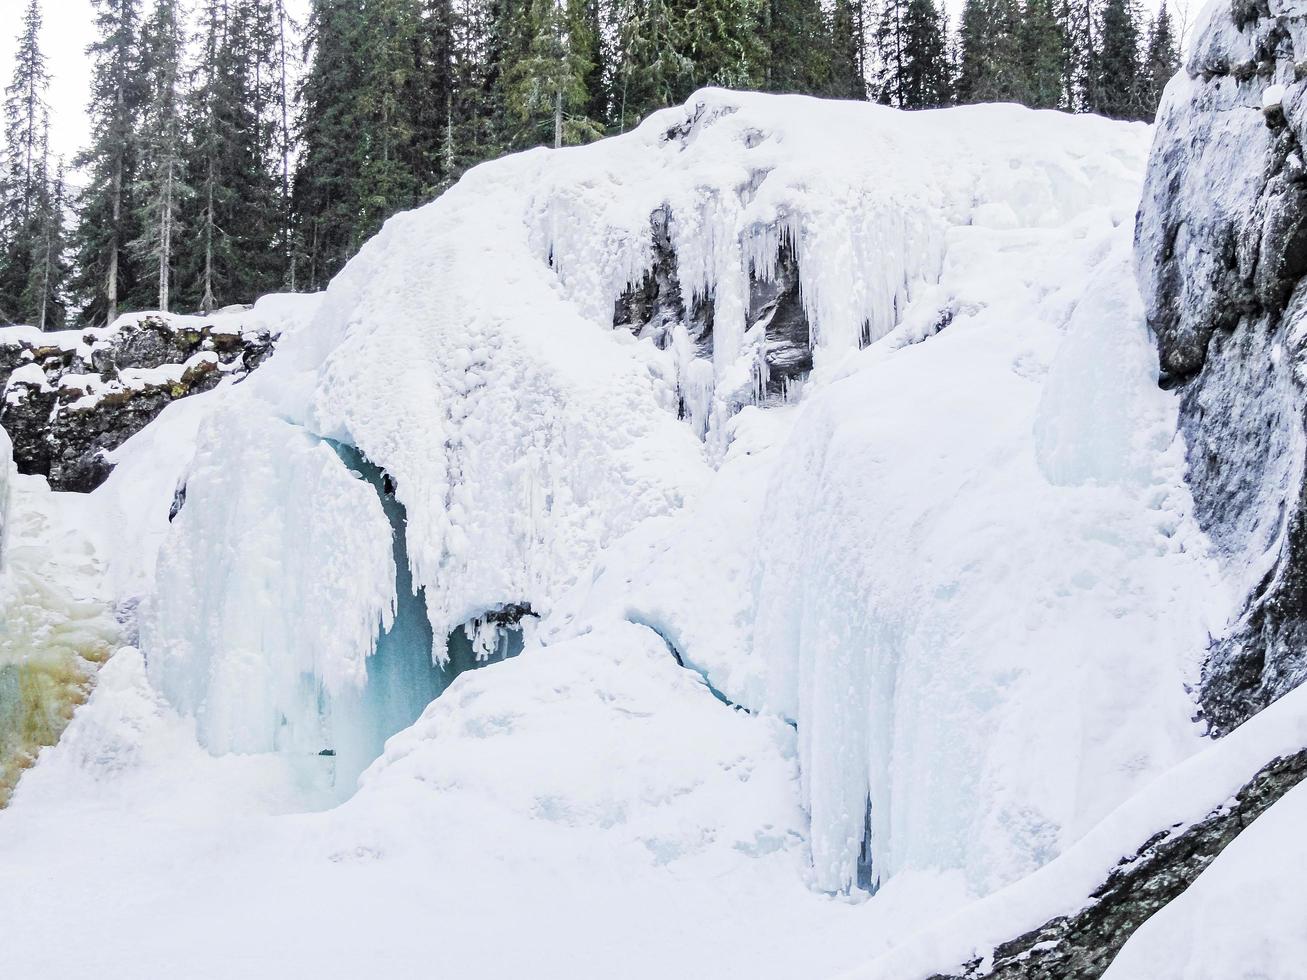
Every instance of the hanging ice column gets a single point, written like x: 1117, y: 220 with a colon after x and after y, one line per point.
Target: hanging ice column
x: 402, y: 676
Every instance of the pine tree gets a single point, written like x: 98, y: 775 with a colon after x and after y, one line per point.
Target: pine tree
x: 43, y: 301
x: 848, y: 50
x: 798, y: 55
x: 1115, y: 70
x: 1161, y: 61
x: 990, y: 68
x: 547, y: 89
x: 1043, y: 50
x: 25, y: 163
x: 161, y: 191
x: 107, y: 218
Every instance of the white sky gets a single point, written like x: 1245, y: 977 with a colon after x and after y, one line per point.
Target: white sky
x: 69, y: 29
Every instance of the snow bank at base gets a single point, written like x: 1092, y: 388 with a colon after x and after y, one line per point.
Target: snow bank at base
x: 1171, y: 802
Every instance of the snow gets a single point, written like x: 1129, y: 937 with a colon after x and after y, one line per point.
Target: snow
x: 1272, y: 96
x: 955, y: 575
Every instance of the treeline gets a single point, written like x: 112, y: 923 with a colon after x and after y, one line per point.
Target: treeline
x: 236, y: 153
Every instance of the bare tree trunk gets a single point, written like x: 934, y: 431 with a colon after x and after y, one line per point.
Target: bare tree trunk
x: 558, y: 119
x: 287, y: 231
x: 165, y: 241
x: 207, y: 302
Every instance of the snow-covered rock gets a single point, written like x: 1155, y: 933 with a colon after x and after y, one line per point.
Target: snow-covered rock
x: 1221, y: 252
x: 69, y: 397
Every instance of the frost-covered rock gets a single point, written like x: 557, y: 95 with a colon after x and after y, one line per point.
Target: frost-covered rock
x: 69, y: 397
x: 1221, y: 254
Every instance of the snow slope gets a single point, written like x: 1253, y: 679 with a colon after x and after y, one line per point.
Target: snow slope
x: 955, y: 584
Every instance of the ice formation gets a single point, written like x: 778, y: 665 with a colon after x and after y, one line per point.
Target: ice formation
x: 523, y: 435
x: 55, y: 627
x: 947, y: 581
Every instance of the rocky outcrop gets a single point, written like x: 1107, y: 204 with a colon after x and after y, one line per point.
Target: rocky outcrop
x: 1221, y: 255
x: 775, y: 317
x: 1082, y: 946
x: 71, y: 396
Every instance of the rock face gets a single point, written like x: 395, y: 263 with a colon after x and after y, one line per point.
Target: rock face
x: 775, y: 317
x: 1221, y: 254
x: 1082, y: 946
x: 69, y: 396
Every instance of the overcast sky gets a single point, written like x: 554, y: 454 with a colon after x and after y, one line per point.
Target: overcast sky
x: 69, y: 29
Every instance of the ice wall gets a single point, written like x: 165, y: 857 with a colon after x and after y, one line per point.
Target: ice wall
x: 912, y: 563
x: 964, y: 564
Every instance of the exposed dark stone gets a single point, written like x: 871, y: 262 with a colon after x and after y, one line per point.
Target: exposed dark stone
x: 25, y: 415
x: 61, y: 433
x: 1221, y: 257
x: 654, y: 307
x: 1082, y: 946
x: 776, y: 305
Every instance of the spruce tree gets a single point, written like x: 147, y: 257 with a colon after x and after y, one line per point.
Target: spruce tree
x: 990, y: 68
x: 547, y: 89
x: 161, y: 191
x: 1043, y: 50
x: 106, y: 278
x: 43, y: 301
x: 230, y: 251
x: 848, y: 51
x: 25, y: 166
x: 669, y: 48
x: 798, y: 54
x: 1161, y: 61
x: 1115, y: 74
x: 652, y: 69
x: 912, y: 44
x: 326, y: 186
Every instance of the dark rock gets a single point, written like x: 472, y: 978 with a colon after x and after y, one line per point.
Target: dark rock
x: 1082, y: 946
x: 1221, y: 258
x: 655, y: 307
x: 61, y: 430
x: 776, y: 305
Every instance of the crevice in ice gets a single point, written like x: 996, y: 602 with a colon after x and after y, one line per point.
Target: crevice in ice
x: 866, y: 875
x: 689, y: 665
x: 402, y: 676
